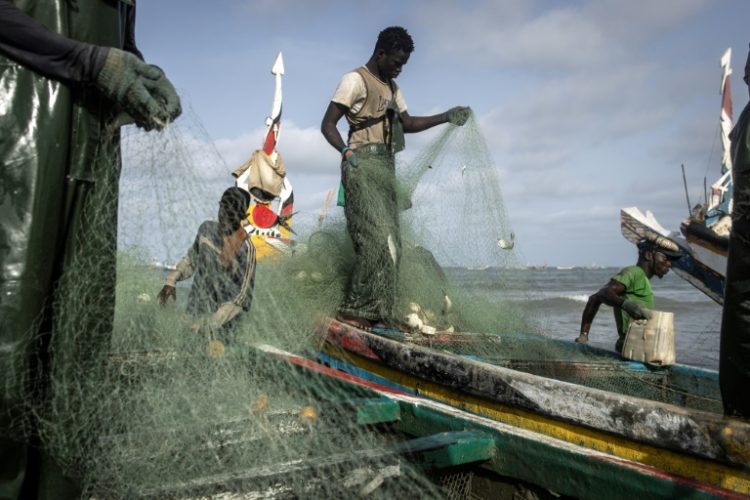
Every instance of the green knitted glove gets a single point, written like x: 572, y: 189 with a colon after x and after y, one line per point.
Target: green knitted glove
x: 636, y: 310
x: 459, y: 115
x: 142, y: 90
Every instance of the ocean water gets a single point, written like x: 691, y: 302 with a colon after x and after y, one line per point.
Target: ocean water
x: 555, y: 298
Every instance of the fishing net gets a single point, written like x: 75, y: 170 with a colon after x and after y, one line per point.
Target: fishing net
x: 145, y: 407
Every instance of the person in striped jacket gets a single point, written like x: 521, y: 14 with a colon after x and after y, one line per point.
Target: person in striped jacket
x: 221, y: 262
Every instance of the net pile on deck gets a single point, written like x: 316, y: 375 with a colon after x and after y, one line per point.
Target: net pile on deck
x: 151, y: 411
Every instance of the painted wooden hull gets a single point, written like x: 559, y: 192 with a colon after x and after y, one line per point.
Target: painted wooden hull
x: 682, y: 385
x: 697, y: 446
x: 496, y: 444
x: 556, y: 463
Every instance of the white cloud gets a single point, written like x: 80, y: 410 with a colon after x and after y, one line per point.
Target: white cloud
x: 574, y: 35
x: 555, y: 183
x: 303, y: 149
x: 549, y: 123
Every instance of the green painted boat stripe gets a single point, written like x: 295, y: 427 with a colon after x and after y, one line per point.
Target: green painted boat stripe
x: 556, y: 465
x: 449, y: 449
x: 378, y: 411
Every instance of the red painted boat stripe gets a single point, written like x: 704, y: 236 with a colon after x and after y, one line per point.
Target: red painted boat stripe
x: 659, y: 473
x: 337, y: 374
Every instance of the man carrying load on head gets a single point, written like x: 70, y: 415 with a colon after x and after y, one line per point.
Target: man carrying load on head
x: 376, y: 112
x: 629, y: 291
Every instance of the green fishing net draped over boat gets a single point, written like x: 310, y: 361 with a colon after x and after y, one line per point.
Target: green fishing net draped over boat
x: 153, y: 409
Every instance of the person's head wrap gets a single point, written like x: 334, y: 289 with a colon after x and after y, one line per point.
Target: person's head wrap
x: 747, y: 67
x: 652, y: 242
x: 233, y: 208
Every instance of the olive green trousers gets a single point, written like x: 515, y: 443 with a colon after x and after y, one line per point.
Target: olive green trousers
x: 373, y: 225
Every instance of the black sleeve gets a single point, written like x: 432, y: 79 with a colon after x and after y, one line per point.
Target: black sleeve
x: 130, y: 44
x: 30, y: 43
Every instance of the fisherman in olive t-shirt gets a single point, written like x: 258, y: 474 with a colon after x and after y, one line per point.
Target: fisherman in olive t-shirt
x: 376, y: 113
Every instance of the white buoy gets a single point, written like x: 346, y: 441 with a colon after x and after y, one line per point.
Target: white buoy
x: 507, y: 244
x: 414, y: 321
x: 447, y: 304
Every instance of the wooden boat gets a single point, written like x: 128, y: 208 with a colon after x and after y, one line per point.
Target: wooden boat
x: 672, y: 439
x: 445, y: 416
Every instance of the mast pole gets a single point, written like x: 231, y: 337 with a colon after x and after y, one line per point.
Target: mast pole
x: 684, y: 183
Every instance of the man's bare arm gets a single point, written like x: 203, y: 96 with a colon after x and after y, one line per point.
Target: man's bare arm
x: 611, y: 295
x: 328, y: 126
x: 419, y: 123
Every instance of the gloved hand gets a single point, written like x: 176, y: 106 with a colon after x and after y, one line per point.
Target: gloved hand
x: 583, y: 338
x: 206, y: 325
x: 352, y: 159
x: 142, y: 90
x: 636, y: 310
x: 459, y: 115
x: 167, y: 292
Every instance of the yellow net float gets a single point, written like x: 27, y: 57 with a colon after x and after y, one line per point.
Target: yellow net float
x: 215, y: 349
x: 260, y: 405
x: 308, y: 415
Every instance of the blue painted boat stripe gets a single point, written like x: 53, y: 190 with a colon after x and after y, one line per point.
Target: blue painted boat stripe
x: 358, y: 372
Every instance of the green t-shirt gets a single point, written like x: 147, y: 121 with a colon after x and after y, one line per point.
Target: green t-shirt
x: 637, y: 288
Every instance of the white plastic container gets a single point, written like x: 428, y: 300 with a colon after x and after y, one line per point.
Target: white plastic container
x: 651, y: 341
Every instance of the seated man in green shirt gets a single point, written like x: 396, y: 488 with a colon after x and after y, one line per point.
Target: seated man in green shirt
x: 629, y: 291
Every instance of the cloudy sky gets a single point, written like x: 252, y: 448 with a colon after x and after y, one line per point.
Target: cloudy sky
x: 587, y: 106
